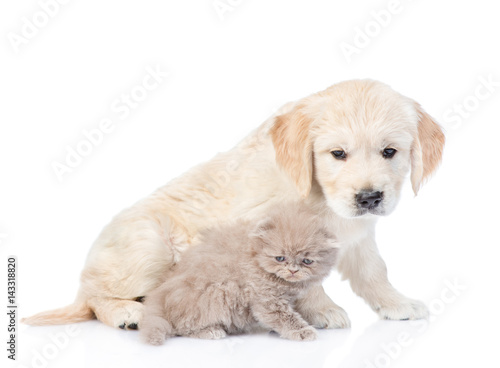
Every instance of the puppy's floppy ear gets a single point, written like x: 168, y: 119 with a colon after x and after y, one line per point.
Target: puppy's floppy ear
x: 427, y: 149
x: 292, y: 144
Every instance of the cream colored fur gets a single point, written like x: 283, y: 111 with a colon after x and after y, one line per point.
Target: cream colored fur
x: 287, y: 158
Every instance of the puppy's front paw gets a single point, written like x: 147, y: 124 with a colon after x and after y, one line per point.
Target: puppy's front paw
x: 403, y: 310
x: 332, y: 316
x: 304, y: 334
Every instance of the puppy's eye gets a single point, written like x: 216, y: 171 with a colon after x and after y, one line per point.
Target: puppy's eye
x: 307, y: 261
x: 339, y: 154
x: 389, y: 152
x: 280, y: 258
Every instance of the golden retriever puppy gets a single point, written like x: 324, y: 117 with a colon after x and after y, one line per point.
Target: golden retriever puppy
x: 345, y: 150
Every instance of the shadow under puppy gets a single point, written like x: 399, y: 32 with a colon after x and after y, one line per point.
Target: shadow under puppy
x: 243, y: 275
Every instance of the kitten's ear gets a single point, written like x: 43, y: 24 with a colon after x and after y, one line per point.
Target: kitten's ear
x: 258, y: 233
x: 262, y: 227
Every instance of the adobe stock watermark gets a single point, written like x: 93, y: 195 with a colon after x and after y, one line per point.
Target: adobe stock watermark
x: 486, y: 87
x: 122, y: 106
x: 221, y: 179
x: 58, y: 342
x: 391, y: 350
x: 31, y: 26
x: 222, y: 7
x: 246, y: 151
x: 364, y: 35
x: 12, y: 308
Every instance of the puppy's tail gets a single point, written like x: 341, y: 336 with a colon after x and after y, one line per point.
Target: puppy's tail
x: 69, y: 314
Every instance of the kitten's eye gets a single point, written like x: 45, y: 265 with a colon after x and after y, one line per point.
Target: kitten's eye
x: 389, y: 152
x: 339, y: 154
x: 307, y: 261
x: 280, y: 258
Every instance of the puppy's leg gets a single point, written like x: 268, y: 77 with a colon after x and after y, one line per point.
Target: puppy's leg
x: 320, y: 311
x: 124, y: 314
x: 129, y: 260
x: 362, y: 265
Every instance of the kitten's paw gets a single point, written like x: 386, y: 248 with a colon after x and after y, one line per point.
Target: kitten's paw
x: 155, y: 337
x: 154, y: 329
x: 210, y: 333
x: 331, y: 317
x: 404, y: 309
x: 305, y: 334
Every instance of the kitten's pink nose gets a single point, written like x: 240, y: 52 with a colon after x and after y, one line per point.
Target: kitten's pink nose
x: 293, y: 271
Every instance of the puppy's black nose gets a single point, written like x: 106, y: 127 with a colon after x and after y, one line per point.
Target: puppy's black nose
x: 369, y: 200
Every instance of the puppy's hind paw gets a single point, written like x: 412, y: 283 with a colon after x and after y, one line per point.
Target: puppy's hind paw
x: 120, y: 313
x: 128, y: 315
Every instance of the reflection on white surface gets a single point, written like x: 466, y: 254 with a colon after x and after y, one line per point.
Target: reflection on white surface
x: 97, y: 345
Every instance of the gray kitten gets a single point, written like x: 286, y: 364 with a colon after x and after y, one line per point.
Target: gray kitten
x: 243, y: 275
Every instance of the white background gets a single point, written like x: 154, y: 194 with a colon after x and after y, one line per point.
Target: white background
x: 226, y: 76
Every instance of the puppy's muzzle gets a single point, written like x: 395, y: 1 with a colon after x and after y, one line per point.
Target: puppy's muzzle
x: 368, y: 199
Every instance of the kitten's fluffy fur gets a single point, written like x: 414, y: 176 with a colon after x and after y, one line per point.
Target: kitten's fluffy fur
x: 232, y: 280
